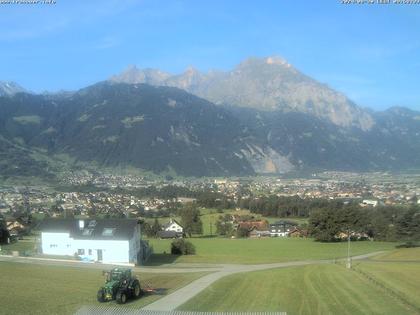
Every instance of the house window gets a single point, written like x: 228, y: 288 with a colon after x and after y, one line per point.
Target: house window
x: 108, y: 232
x: 90, y: 252
x: 68, y: 245
x: 80, y: 251
x: 53, y: 245
x: 87, y: 232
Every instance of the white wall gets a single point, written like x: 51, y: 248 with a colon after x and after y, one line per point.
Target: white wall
x: 113, y: 251
x: 57, y: 244
x: 174, y: 227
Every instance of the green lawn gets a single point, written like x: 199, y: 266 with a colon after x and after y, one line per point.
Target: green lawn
x: 265, y: 250
x: 36, y: 289
x: 299, y: 221
x: 402, y: 254
x: 316, y: 289
x: 402, y: 278
x: 20, y: 246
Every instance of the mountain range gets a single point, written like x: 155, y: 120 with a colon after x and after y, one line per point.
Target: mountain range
x: 263, y: 117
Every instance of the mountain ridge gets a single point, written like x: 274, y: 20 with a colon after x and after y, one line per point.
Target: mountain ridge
x: 168, y: 130
x: 10, y: 88
x: 269, y: 83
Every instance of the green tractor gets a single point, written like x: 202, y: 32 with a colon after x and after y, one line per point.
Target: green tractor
x: 119, y: 286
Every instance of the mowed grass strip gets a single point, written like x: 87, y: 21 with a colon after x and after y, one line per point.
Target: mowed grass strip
x: 37, y: 289
x: 402, y: 254
x: 315, y: 289
x: 401, y: 278
x: 265, y: 250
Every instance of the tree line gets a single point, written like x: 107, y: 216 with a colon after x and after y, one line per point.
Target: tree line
x: 285, y: 206
x: 384, y: 223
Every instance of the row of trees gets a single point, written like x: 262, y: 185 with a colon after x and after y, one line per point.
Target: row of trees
x: 282, y: 206
x: 382, y: 223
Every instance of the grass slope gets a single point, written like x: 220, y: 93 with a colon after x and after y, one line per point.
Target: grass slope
x: 402, y: 278
x: 403, y: 254
x: 36, y: 289
x: 265, y: 250
x: 317, y: 289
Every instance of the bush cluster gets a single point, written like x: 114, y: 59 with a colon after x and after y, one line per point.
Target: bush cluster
x: 182, y: 247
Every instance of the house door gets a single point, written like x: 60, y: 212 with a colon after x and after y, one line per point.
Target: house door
x: 99, y: 253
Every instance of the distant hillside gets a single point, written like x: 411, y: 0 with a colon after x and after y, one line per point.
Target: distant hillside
x: 167, y: 130
x: 393, y: 143
x: 154, y: 128
x: 269, y: 84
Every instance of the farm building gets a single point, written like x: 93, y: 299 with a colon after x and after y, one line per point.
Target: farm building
x: 100, y: 240
x: 282, y: 228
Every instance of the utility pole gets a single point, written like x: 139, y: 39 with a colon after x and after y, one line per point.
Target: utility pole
x: 348, y: 265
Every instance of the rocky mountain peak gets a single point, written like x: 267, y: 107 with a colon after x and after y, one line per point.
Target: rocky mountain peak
x: 269, y: 84
x: 10, y: 88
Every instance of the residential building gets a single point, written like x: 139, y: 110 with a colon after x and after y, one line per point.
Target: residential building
x: 282, y: 228
x: 116, y: 241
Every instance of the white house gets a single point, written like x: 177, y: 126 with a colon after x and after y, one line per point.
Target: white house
x: 172, y: 229
x: 368, y: 202
x: 174, y: 226
x: 282, y: 228
x: 116, y: 241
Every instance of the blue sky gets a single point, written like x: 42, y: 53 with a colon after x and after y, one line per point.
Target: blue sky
x: 369, y: 52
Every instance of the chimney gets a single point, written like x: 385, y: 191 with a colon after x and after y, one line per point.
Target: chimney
x: 81, y: 224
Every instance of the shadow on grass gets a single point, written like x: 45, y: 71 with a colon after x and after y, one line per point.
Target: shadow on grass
x: 156, y: 291
x: 161, y: 259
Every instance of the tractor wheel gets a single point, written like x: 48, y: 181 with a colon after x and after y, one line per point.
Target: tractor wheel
x: 100, y: 296
x: 121, y: 297
x: 136, y: 289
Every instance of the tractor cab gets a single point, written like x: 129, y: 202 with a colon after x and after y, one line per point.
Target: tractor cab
x: 118, y: 274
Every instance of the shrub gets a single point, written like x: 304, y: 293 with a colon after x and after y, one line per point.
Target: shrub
x: 182, y: 247
x: 242, y: 232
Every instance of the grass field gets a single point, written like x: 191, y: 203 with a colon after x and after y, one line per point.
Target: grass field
x: 36, y: 289
x: 371, y: 287
x: 317, y: 289
x: 20, y: 245
x: 401, y: 277
x: 265, y: 250
x: 402, y: 254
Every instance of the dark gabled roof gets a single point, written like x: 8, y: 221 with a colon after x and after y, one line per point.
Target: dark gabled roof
x: 122, y: 229
x: 281, y: 223
x: 169, y: 234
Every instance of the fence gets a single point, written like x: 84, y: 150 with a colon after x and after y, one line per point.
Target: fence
x: 108, y: 310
